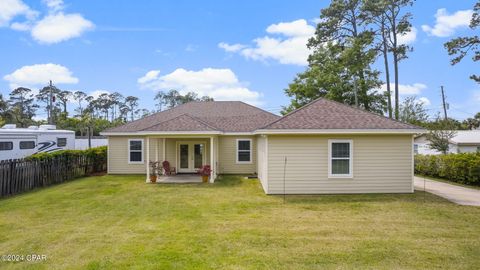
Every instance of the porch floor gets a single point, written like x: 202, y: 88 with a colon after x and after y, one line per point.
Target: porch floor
x: 180, y: 178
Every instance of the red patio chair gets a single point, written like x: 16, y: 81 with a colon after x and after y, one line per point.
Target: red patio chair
x: 167, y: 170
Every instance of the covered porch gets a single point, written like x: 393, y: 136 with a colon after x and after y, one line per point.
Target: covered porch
x: 186, y: 154
x: 179, y: 179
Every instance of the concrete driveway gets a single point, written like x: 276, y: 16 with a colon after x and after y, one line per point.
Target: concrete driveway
x: 456, y: 194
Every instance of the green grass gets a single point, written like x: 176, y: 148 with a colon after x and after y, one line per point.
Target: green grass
x: 119, y: 222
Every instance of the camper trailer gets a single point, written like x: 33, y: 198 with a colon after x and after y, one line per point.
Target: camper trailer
x: 18, y: 143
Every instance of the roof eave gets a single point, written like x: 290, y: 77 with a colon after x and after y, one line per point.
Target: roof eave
x: 339, y: 131
x: 142, y: 133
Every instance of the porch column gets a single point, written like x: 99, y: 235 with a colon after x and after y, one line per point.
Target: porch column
x: 147, y: 159
x: 163, y: 148
x: 212, y: 162
x: 156, y: 150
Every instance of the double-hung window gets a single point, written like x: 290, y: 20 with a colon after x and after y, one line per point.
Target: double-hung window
x: 244, y: 151
x: 135, y: 151
x: 340, y: 158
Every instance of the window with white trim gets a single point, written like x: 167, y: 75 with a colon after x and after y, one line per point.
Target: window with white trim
x: 135, y: 151
x: 340, y: 158
x: 415, y: 149
x: 244, y: 151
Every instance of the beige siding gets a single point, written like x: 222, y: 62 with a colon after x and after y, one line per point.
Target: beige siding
x: 227, y: 156
x: 118, y: 155
x: 381, y: 164
x: 262, y: 161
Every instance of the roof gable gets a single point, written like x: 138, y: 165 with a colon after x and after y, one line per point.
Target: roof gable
x: 224, y: 116
x: 183, y: 122
x: 328, y: 114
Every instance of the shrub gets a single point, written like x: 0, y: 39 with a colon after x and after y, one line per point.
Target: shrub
x: 97, y: 157
x: 462, y: 168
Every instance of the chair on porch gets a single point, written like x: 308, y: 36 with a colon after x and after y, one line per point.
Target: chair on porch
x: 167, y: 169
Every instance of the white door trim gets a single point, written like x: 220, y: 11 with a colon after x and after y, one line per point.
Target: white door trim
x: 191, y: 152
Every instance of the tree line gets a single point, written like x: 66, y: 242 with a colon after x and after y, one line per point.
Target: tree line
x: 90, y: 114
x: 353, y: 35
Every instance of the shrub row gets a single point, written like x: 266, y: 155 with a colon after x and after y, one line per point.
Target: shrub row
x: 462, y: 168
x: 97, y: 156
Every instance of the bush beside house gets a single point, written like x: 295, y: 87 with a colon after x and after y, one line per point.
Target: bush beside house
x: 462, y: 168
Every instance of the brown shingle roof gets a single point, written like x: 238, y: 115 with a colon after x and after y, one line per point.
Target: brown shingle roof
x: 183, y: 122
x: 227, y: 116
x: 328, y: 114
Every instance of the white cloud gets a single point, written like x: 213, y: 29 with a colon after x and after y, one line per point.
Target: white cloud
x: 221, y: 84
x: 446, y: 24
x: 97, y: 93
x: 152, y: 75
x: 287, y: 45
x: 406, y: 89
x: 60, y: 27
x: 408, y: 38
x: 298, y: 28
x: 231, y: 47
x: 54, y: 5
x: 40, y: 75
x: 10, y: 9
x: 54, y: 27
x: 425, y: 101
x: 25, y: 26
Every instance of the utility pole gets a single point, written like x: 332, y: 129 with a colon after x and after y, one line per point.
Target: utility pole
x: 444, y: 104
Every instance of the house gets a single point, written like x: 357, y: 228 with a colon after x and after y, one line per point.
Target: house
x: 464, y: 141
x: 323, y: 147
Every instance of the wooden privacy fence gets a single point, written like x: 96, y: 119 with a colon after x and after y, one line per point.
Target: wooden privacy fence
x: 20, y: 175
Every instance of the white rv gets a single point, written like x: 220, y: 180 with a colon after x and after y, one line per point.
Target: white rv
x: 18, y: 143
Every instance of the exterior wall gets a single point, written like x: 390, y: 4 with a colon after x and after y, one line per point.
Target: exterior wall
x: 118, y: 155
x: 468, y: 148
x: 262, y: 157
x: 424, y: 149
x: 82, y: 144
x: 381, y: 164
x: 227, y: 156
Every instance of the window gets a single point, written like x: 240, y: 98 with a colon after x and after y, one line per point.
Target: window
x: 244, y: 151
x: 4, y: 146
x: 61, y: 142
x: 415, y: 149
x: 135, y: 151
x: 340, y: 158
x: 27, y: 144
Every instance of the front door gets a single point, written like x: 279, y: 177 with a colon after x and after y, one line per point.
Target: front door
x: 190, y: 156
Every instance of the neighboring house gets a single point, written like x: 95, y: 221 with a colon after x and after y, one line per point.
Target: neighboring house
x: 323, y: 147
x: 465, y: 141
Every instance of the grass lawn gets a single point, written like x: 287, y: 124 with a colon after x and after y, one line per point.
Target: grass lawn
x: 119, y: 222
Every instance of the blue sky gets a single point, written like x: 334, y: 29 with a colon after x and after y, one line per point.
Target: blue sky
x: 232, y: 50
